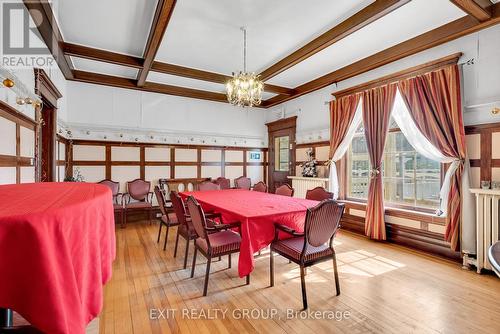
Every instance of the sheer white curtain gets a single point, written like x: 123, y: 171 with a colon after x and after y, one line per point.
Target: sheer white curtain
x: 403, y: 119
x: 344, y: 145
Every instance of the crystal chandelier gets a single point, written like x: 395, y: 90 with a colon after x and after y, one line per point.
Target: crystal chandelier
x: 244, y: 89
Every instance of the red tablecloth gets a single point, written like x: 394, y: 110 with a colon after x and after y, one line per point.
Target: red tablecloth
x: 57, y: 245
x: 257, y: 213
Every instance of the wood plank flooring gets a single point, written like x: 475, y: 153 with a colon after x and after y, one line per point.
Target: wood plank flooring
x: 384, y: 289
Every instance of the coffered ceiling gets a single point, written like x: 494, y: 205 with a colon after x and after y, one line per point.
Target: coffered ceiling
x: 190, y: 47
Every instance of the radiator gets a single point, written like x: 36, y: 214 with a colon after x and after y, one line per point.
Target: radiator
x: 487, y: 221
x: 303, y: 184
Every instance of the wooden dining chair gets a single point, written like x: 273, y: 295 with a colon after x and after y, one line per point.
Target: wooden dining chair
x: 185, y: 229
x: 310, y: 247
x: 138, y: 190
x: 260, y: 187
x: 242, y: 183
x: 285, y: 190
x: 165, y: 219
x: 117, y: 196
x: 208, y: 185
x: 318, y: 194
x: 223, y: 183
x: 221, y: 241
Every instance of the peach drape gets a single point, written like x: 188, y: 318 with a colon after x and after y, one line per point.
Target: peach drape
x: 435, y: 104
x: 377, y: 107
x: 342, y: 113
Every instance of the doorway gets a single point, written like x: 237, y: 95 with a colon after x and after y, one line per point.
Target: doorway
x: 281, y: 152
x: 47, y: 120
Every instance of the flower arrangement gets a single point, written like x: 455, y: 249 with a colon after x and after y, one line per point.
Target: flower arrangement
x: 309, y: 167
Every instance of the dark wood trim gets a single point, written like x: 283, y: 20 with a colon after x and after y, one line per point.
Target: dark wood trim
x: 475, y: 162
x: 86, y: 52
x: 401, y: 75
x: 281, y: 124
x: 45, y: 88
x: 313, y: 144
x: 42, y: 15
x: 473, y: 9
x: 142, y: 153
x: 354, y: 23
x: 108, y: 162
x: 479, y: 128
x: 164, y: 10
x: 10, y: 113
x: 142, y: 163
x: 109, y: 80
x: 193, y: 73
x: 443, y: 34
x: 486, y: 142
x: 418, y: 239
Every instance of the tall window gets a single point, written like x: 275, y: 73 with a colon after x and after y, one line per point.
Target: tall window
x: 410, y: 179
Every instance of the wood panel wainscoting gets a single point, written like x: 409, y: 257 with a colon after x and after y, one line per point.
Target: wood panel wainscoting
x: 418, y: 230
x: 168, y: 161
x: 17, y: 147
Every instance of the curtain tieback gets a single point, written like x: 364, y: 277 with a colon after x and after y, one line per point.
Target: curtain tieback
x: 374, y: 172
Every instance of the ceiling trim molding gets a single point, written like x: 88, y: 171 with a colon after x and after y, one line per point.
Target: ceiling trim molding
x: 443, y: 34
x: 110, y: 57
x: 401, y: 75
x: 473, y: 8
x: 44, y: 19
x: 193, y: 73
x: 357, y: 21
x: 163, y: 12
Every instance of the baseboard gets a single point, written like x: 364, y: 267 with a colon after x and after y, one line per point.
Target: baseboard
x: 425, y: 241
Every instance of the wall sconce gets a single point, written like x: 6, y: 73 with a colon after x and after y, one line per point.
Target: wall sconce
x: 9, y: 83
x: 20, y: 101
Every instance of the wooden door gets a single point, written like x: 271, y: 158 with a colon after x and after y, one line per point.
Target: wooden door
x: 281, y: 152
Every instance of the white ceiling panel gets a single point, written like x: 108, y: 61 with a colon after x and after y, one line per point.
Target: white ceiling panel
x: 185, y: 82
x: 104, y: 68
x: 206, y: 34
x: 116, y: 25
x: 411, y: 20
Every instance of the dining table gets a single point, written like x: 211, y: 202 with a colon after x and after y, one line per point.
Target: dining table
x: 57, y: 246
x: 257, y: 212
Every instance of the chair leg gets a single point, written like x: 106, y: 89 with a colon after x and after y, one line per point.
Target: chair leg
x: 229, y: 261
x: 159, y: 233
x: 176, y: 242
x: 124, y: 219
x: 271, y: 268
x: 194, y: 260
x: 207, y: 274
x: 166, y: 238
x: 303, y: 284
x: 248, y: 279
x: 186, y: 253
x: 336, y: 274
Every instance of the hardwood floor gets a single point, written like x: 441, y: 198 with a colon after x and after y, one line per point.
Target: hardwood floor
x: 384, y: 289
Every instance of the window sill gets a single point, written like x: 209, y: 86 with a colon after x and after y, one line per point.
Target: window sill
x: 399, y: 212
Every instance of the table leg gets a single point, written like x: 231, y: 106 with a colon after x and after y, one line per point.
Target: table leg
x: 6, y: 317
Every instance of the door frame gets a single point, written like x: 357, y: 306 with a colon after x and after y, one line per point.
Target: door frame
x: 46, y: 118
x: 273, y: 128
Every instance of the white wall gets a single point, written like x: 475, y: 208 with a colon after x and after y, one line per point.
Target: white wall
x: 109, y: 111
x: 480, y: 84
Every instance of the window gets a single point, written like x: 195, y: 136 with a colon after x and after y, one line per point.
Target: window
x: 281, y: 153
x: 410, y: 179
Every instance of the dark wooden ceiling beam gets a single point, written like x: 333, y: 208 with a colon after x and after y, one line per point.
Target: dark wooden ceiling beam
x: 101, y: 55
x: 474, y: 9
x: 161, y: 18
x: 193, y: 73
x: 357, y: 21
x: 43, y: 17
x: 450, y: 31
x: 108, y: 80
